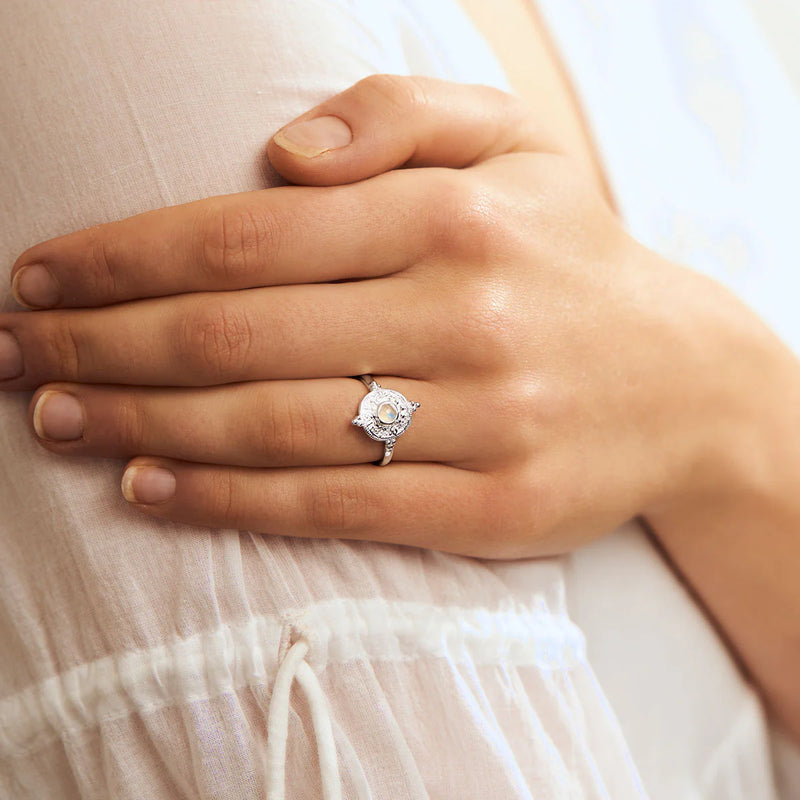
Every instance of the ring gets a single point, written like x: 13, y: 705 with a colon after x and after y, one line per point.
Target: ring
x: 384, y: 414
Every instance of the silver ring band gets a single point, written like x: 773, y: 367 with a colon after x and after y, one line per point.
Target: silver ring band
x: 384, y: 414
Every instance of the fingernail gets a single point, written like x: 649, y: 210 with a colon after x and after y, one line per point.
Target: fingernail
x: 314, y: 136
x: 11, y: 364
x: 148, y: 485
x: 35, y: 287
x: 58, y: 416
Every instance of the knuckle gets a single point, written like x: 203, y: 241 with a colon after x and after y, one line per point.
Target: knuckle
x: 290, y: 428
x: 444, y: 193
x: 510, y: 442
x: 515, y: 110
x: 237, y: 242
x: 222, y: 495
x: 495, y: 502
x: 471, y: 219
x: 481, y: 331
x: 400, y: 93
x: 516, y: 508
x: 66, y: 348
x: 103, y: 257
x: 216, y: 338
x: 129, y: 422
x: 526, y: 402
x: 504, y: 443
x: 338, y: 504
x: 518, y: 129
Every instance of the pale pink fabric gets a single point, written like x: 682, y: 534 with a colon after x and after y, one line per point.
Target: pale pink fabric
x: 138, y: 657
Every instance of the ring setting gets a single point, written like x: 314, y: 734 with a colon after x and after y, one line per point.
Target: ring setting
x: 384, y: 414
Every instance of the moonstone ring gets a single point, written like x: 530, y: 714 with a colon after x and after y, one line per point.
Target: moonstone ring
x: 384, y: 415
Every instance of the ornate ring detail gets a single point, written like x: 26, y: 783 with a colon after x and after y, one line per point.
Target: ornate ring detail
x: 384, y: 414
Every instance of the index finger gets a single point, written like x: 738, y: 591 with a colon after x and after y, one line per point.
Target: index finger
x: 285, y: 235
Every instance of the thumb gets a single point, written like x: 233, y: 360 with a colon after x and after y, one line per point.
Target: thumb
x: 388, y: 121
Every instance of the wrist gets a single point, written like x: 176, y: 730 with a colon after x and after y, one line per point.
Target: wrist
x: 736, y: 402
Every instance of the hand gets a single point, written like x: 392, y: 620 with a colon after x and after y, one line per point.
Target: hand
x: 562, y: 386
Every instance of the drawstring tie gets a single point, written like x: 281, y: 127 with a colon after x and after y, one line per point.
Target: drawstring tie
x: 294, y: 666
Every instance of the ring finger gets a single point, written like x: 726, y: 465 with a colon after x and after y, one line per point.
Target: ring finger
x: 257, y: 424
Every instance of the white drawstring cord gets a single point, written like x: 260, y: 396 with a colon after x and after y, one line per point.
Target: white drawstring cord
x: 294, y: 666
x: 323, y: 732
x: 278, y: 721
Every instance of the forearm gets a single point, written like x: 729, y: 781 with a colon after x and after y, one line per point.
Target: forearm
x: 739, y: 546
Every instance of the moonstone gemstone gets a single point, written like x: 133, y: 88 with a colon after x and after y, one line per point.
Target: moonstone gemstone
x: 387, y: 413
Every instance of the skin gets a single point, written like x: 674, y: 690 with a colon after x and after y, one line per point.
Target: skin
x: 533, y: 67
x: 503, y: 295
x: 739, y: 551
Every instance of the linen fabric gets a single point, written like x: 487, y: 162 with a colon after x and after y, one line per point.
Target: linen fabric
x: 140, y: 658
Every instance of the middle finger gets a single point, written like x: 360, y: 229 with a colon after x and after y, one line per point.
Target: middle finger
x: 205, y: 339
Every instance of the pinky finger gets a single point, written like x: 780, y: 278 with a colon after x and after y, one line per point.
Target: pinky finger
x: 422, y: 505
